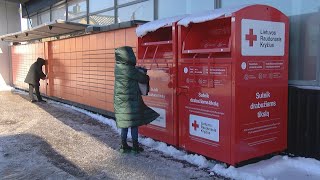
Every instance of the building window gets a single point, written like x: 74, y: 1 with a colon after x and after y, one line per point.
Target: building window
x: 25, y: 24
x: 77, y: 8
x: 97, y: 5
x: 34, y: 20
x: 105, y: 18
x: 139, y: 11
x: 44, y: 17
x: 304, y: 57
x: 59, y: 13
x: 168, y: 8
x: 100, y: 12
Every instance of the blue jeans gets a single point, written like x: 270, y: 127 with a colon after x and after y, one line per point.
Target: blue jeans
x: 134, y: 133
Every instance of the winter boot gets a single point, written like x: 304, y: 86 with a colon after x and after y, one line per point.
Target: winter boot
x: 125, y: 148
x: 136, y: 148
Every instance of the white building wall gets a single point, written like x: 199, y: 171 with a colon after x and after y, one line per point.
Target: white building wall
x: 9, y: 23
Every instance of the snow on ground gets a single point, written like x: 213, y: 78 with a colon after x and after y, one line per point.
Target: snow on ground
x: 3, y: 85
x: 277, y: 168
x: 5, y: 88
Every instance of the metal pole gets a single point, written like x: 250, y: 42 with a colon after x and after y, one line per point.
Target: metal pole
x: 155, y: 9
x: 88, y: 12
x: 67, y: 10
x: 115, y: 11
x: 217, y: 4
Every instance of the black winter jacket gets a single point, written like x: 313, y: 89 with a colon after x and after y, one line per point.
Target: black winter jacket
x: 35, y: 73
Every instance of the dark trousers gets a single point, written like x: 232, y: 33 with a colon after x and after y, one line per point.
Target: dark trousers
x: 36, y: 88
x: 134, y: 134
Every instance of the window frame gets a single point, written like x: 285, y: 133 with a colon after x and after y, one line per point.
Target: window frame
x: 78, y: 17
x: 130, y: 4
x: 115, y: 8
x: 56, y: 6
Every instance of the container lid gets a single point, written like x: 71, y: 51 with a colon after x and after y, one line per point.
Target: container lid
x: 157, y: 24
x: 210, y: 15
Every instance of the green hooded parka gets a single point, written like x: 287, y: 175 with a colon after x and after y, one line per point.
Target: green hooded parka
x: 129, y: 107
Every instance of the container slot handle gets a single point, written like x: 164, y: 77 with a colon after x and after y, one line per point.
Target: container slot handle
x: 145, y: 53
x: 154, y: 56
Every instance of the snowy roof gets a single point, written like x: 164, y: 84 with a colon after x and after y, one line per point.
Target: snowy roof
x: 209, y: 15
x: 157, y: 24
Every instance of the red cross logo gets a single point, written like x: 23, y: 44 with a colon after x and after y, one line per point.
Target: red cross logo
x: 250, y: 37
x: 195, y: 125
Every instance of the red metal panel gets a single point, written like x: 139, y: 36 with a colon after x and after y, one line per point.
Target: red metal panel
x: 55, y: 47
x: 67, y: 46
x: 67, y: 56
x: 110, y: 40
x: 85, y: 43
x: 157, y: 52
x: 131, y: 39
x: 110, y: 106
x: 93, y: 42
x: 72, y: 44
x: 101, y: 44
x: 79, y: 44
x: 61, y: 46
x: 120, y: 38
x: 204, y: 87
x: 261, y: 129
x: 232, y: 94
x: 23, y: 57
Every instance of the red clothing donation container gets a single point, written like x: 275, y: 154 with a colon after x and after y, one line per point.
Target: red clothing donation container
x: 157, y: 51
x: 232, y: 82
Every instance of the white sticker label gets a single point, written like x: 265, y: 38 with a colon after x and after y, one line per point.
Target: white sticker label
x: 185, y: 70
x: 243, y: 65
x: 204, y: 127
x: 262, y: 38
x: 161, y: 120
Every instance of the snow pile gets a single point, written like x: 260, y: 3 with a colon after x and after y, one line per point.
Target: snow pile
x: 195, y: 159
x: 278, y: 167
x: 209, y: 15
x: 283, y: 167
x: 5, y: 88
x: 157, y: 24
x: 235, y: 173
x: 3, y: 85
x: 185, y: 20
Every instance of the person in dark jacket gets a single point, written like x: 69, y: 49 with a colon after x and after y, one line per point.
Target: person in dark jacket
x: 33, y: 77
x: 130, y: 110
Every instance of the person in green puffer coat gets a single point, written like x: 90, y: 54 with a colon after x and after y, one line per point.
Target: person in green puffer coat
x: 129, y: 108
